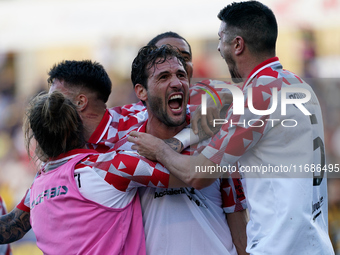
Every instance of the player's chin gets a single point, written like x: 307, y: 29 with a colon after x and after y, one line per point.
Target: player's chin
x: 178, y: 119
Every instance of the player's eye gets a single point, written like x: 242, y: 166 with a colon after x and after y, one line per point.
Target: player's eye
x: 187, y: 58
x: 182, y: 75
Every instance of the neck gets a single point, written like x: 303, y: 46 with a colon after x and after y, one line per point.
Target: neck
x: 249, y: 62
x: 91, y: 120
x: 160, y: 130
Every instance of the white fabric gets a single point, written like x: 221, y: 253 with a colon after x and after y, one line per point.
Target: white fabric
x: 288, y: 214
x: 178, y: 222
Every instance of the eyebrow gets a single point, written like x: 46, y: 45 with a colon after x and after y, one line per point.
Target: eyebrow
x: 186, y: 52
x: 162, y: 73
x: 167, y: 72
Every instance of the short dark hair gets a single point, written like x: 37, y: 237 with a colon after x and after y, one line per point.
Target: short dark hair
x: 86, y: 73
x: 53, y: 121
x: 148, y: 57
x: 168, y: 34
x: 254, y: 22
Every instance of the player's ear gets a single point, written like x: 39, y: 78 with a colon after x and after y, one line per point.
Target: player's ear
x: 81, y: 102
x: 141, y: 92
x: 239, y: 45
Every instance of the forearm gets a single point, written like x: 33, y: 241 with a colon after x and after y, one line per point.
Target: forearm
x: 237, y: 222
x: 174, y: 144
x: 185, y: 167
x: 14, y: 225
x: 154, y: 175
x: 183, y: 139
x: 174, y: 162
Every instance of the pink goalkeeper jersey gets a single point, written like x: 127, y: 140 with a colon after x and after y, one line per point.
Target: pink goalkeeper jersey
x: 65, y: 222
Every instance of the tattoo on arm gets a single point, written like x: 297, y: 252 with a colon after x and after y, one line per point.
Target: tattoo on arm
x: 175, y: 144
x: 14, y: 225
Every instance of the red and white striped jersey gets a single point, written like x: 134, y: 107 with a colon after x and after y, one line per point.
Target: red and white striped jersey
x: 111, y: 178
x: 116, y: 123
x: 288, y: 209
x: 196, y: 217
x: 111, y: 133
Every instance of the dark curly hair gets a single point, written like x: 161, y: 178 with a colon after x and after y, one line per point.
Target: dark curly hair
x: 150, y: 56
x: 168, y: 34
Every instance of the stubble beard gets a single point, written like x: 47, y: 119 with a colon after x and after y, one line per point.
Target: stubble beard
x: 156, y: 106
x: 235, y: 76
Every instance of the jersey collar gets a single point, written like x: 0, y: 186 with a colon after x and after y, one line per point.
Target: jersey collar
x: 142, y: 128
x: 100, y: 131
x: 267, y: 63
x: 72, y: 153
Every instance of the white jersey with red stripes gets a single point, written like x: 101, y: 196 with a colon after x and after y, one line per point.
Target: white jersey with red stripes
x: 288, y: 209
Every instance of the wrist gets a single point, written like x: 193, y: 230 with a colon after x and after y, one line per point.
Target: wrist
x: 187, y: 137
x: 161, y: 151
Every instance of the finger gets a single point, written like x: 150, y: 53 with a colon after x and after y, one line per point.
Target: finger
x: 210, y: 116
x: 133, y: 133
x: 216, y: 114
x: 228, y: 98
x: 194, y: 123
x: 134, y: 147
x: 205, y: 126
x: 132, y: 139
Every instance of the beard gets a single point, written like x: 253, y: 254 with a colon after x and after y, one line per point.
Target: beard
x: 235, y: 75
x: 156, y: 105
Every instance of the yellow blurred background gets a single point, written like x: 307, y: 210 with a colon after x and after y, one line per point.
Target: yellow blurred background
x: 36, y: 34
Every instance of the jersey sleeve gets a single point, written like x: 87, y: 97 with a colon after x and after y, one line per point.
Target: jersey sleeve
x: 3, y: 209
x: 125, y: 119
x: 202, y: 87
x: 126, y: 170
x: 233, y: 198
x: 24, y: 204
x: 239, y: 133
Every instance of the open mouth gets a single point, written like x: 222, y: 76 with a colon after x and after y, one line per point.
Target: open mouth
x: 175, y: 102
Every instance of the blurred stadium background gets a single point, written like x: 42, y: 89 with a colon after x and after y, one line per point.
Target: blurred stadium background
x: 35, y: 34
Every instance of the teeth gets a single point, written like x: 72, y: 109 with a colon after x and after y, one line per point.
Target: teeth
x: 179, y: 108
x: 176, y: 97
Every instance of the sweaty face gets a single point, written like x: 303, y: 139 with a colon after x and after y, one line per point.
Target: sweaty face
x: 167, y: 93
x: 225, y: 47
x: 183, y: 48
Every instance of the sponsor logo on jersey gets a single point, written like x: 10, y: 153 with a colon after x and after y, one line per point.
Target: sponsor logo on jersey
x: 169, y: 192
x: 49, y: 194
x: 194, y: 195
